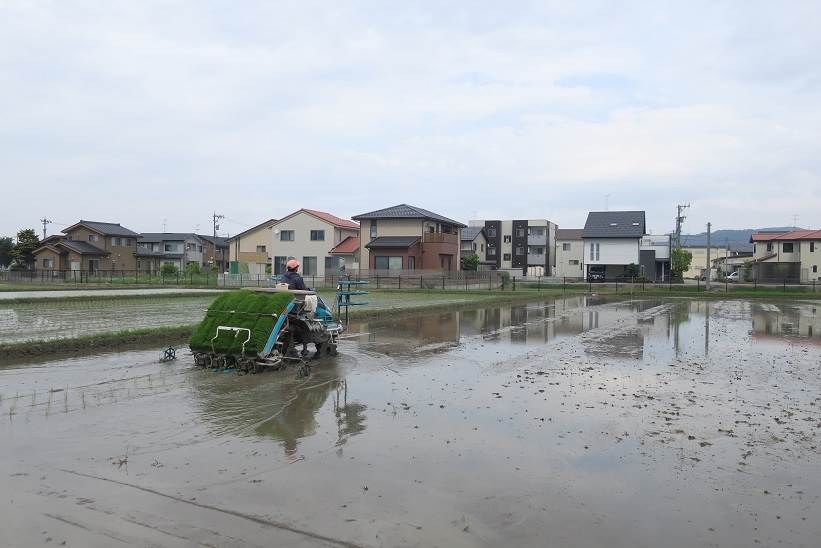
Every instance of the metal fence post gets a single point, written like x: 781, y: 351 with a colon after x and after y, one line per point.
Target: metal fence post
x: 377, y: 281
x: 421, y: 282
x: 443, y: 283
x: 399, y: 281
x: 513, y: 287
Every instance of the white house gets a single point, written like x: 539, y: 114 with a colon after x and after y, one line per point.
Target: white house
x: 569, y: 253
x: 309, y: 236
x: 614, y: 240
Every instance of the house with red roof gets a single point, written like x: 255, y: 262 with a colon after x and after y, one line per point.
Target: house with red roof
x: 318, y: 240
x: 792, y: 256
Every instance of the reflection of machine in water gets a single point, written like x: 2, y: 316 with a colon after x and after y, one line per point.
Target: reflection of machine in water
x: 282, y: 408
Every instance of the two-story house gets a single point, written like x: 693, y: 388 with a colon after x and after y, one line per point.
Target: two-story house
x: 523, y: 245
x: 155, y: 249
x: 405, y: 237
x: 473, y: 242
x: 614, y: 240
x: 214, y: 252
x: 793, y: 256
x: 310, y: 236
x: 89, y: 246
x: 569, y: 253
x: 249, y: 251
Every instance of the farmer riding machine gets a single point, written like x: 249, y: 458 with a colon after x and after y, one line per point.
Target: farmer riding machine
x: 253, y: 330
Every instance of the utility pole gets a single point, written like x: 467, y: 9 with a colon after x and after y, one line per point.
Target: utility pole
x: 679, y: 221
x: 45, y: 222
x: 707, y: 276
x: 216, y: 221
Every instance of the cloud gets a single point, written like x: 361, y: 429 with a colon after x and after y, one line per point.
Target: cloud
x: 136, y: 112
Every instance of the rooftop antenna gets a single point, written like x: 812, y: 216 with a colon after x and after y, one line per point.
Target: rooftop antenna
x: 45, y: 222
x: 607, y: 202
x: 795, y: 221
x: 164, y: 222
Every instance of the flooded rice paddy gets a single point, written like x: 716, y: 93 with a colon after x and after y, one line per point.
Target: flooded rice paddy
x: 44, y: 320
x: 576, y: 422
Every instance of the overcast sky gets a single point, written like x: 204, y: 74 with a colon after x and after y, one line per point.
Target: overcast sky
x: 140, y: 112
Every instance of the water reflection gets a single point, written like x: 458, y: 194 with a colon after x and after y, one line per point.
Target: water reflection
x: 279, y: 405
x: 790, y: 320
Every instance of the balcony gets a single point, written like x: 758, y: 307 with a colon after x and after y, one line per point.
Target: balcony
x: 536, y: 259
x: 440, y: 238
x: 537, y: 239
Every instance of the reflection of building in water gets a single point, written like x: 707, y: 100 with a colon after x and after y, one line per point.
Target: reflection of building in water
x: 786, y: 320
x: 403, y: 335
x: 277, y: 405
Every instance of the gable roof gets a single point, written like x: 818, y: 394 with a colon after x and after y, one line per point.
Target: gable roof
x: 265, y: 224
x: 569, y: 233
x: 107, y: 229
x: 614, y: 224
x: 405, y: 211
x: 469, y: 233
x: 790, y: 235
x: 347, y: 246
x: 322, y: 216
x: 393, y: 242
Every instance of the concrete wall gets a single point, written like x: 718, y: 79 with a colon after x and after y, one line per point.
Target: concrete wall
x: 810, y: 260
x: 302, y: 246
x: 563, y: 259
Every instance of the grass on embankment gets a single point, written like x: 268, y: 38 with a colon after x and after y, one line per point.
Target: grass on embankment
x: 87, y: 298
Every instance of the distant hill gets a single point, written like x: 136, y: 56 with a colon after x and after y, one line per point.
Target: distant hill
x: 738, y: 240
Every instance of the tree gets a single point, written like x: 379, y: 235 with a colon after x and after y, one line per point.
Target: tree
x: 680, y: 263
x: 193, y: 268
x: 6, y: 247
x: 471, y: 262
x: 23, y: 252
x: 631, y: 270
x: 169, y: 269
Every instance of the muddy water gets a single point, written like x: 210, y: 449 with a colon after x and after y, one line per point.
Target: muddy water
x: 578, y: 422
x: 43, y: 320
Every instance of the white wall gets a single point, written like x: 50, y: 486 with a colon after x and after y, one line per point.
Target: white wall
x: 615, y: 251
x: 302, y: 246
x: 563, y: 258
x: 386, y: 227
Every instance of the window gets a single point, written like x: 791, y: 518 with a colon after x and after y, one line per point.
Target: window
x: 474, y: 247
x: 199, y: 248
x: 48, y: 263
x: 787, y: 247
x: 769, y: 246
x: 565, y: 247
x: 536, y: 231
x: 388, y: 263
x: 592, y: 251
x: 115, y: 241
x: 536, y: 250
x: 261, y: 249
x: 373, y: 229
x: 170, y: 248
x: 279, y: 264
x: 520, y: 250
x: 814, y: 268
x: 507, y: 239
x: 491, y: 232
x: 286, y: 236
x: 93, y: 238
x: 317, y: 235
x: 812, y: 247
x: 506, y: 257
x: 309, y: 266
x: 598, y: 248
x: 573, y: 261
x: 411, y: 263
x: 491, y: 251
x: 520, y: 232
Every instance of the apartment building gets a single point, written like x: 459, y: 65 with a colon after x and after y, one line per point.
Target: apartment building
x: 523, y: 246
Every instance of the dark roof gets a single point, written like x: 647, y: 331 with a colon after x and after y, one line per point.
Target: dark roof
x: 614, y: 224
x: 405, y: 211
x: 108, y: 229
x: 166, y: 236
x: 219, y: 240
x: 469, y: 234
x: 569, y: 233
x: 83, y: 248
x: 265, y: 224
x: 393, y: 241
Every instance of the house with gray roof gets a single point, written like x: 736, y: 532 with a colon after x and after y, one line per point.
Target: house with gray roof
x: 406, y: 237
x: 473, y: 242
x: 616, y: 242
x: 89, y: 246
x: 569, y: 253
x: 155, y: 249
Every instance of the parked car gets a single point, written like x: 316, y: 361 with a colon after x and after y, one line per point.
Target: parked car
x: 733, y: 277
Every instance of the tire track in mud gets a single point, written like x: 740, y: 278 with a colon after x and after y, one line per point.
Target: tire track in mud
x: 255, y: 519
